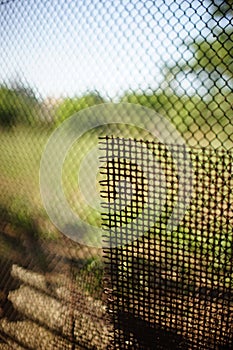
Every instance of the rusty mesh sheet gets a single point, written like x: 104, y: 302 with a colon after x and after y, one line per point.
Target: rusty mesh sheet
x: 167, y: 289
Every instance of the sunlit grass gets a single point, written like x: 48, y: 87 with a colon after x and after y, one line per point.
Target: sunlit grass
x: 20, y: 153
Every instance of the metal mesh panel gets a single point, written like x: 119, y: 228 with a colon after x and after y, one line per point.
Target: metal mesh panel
x: 169, y: 289
x: 58, y: 58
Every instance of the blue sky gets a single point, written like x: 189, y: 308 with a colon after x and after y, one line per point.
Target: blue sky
x: 69, y: 47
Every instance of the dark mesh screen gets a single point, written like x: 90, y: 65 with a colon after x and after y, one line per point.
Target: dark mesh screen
x: 168, y: 289
x: 62, y: 58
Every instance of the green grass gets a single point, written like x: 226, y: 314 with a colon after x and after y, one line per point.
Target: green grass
x: 21, y: 149
x: 20, y: 202
x: 20, y: 153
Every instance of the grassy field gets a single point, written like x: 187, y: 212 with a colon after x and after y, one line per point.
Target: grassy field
x: 20, y: 202
x: 21, y: 149
x: 20, y: 153
x: 26, y: 232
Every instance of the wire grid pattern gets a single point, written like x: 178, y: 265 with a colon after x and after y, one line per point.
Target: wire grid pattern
x: 168, y: 289
x: 175, y: 57
x: 59, y: 57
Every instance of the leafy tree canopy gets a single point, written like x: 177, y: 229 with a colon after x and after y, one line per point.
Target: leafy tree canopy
x: 212, y: 54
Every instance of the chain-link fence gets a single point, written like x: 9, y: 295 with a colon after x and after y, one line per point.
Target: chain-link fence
x: 173, y: 58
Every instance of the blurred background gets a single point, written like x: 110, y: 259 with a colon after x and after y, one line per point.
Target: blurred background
x: 59, y: 57
x: 62, y: 56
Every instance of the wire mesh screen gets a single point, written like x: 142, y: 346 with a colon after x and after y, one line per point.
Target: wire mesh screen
x: 168, y: 288
x: 65, y: 58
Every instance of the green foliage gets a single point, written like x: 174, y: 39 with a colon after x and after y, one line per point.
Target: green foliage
x: 196, y: 118
x: 70, y: 106
x: 182, y: 110
x: 17, y: 105
x: 220, y: 8
x: 90, y: 278
x: 214, y: 56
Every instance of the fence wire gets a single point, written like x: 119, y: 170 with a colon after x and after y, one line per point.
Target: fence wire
x: 168, y: 288
x: 59, y: 58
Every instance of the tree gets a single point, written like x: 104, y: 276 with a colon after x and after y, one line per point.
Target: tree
x: 18, y: 104
x: 211, y: 66
x: 212, y: 57
x: 70, y: 106
x: 181, y: 110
